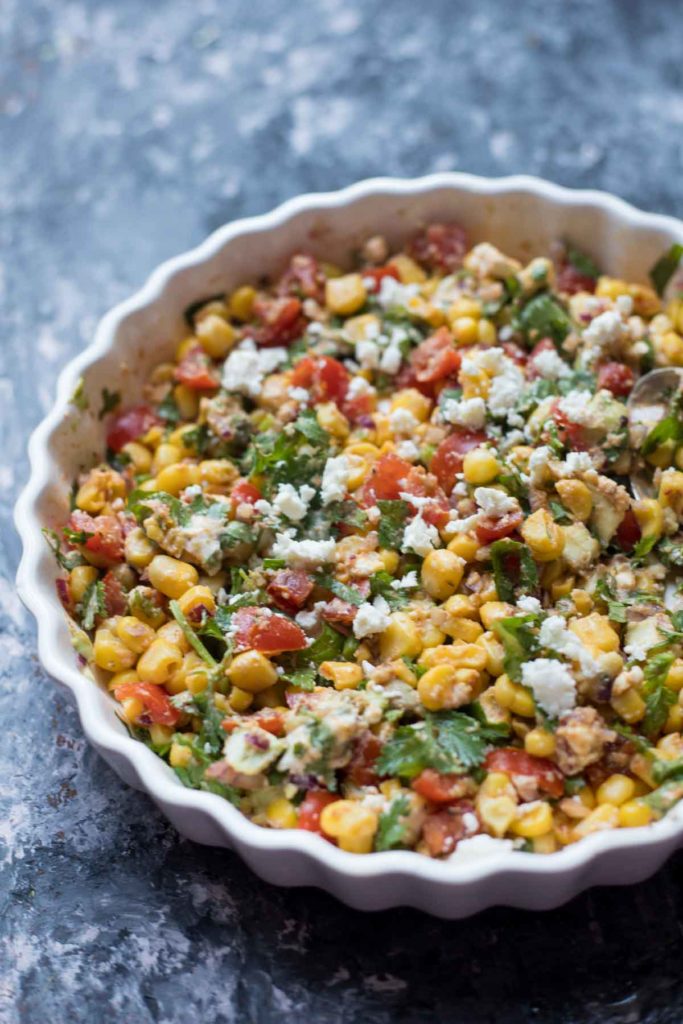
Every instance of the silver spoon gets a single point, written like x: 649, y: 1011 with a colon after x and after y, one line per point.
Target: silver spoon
x: 647, y: 404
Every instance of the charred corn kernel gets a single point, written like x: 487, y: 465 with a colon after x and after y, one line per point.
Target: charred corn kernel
x: 402, y: 672
x: 160, y: 734
x: 465, y: 330
x: 140, y: 457
x: 641, y: 767
x: 175, y: 478
x: 216, y: 335
x: 158, y: 663
x: 171, y: 576
x: 240, y: 700
x: 345, y: 295
x: 167, y: 454
x: 480, y: 466
x: 172, y: 633
x: 545, y: 844
x: 241, y: 302
x: 535, y: 821
x: 486, y: 333
x: 281, y: 813
x: 539, y: 743
x: 196, y: 600
x: 390, y: 559
x: 674, y: 677
x: 495, y: 653
x: 436, y: 686
x: 251, y: 671
x: 430, y: 634
x: 343, y: 674
x: 195, y: 673
x: 217, y: 475
x: 80, y: 578
x: 595, y: 631
x: 185, y: 346
x: 412, y: 401
x: 543, y: 535
x: 633, y: 814
x: 465, y: 545
x: 629, y: 705
x: 131, y: 709
x: 458, y: 655
x: 461, y: 606
x: 603, y: 817
x: 583, y: 602
x: 674, y: 719
x: 491, y: 611
x: 333, y: 420
x: 562, y: 587
x: 670, y: 747
x: 466, y: 630
x: 610, y: 663
x: 110, y: 653
x: 409, y: 271
x: 359, y: 470
x: 514, y: 697
x: 187, y: 401
x: 442, y: 573
x: 179, y: 756
x: 576, y: 497
x: 650, y: 517
x: 616, y: 790
x: 148, y: 486
x: 401, y: 638
x: 99, y: 489
x: 351, y: 824
x: 671, y: 490
x: 136, y: 635
x: 142, y: 604
x: 121, y: 678
x: 496, y: 803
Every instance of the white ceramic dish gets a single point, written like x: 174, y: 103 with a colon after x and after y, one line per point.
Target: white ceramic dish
x: 522, y: 215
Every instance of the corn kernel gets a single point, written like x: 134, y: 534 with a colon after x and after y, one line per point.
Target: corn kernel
x: 650, y: 517
x: 158, y: 663
x: 140, y: 457
x: 617, y: 789
x: 345, y: 295
x: 465, y: 545
x: 480, y: 466
x: 197, y: 599
x: 216, y: 335
x: 605, y: 816
x: 175, y: 478
x: 409, y: 271
x: 634, y: 814
x: 351, y: 824
x: 441, y: 573
x: 110, y: 653
x: 543, y: 535
x: 539, y: 743
x: 136, y: 635
x: 240, y: 700
x: 576, y: 497
x: 466, y: 630
x: 674, y: 677
x: 536, y: 821
x: 413, y: 401
x: 139, y: 549
x: 674, y: 720
x: 252, y: 671
x: 546, y: 843
x: 514, y: 697
x: 464, y: 307
x: 629, y: 705
x: 80, y: 578
x: 495, y: 653
x: 595, y: 632
x: 179, y: 755
x: 400, y: 639
x: 491, y: 611
x: 187, y: 401
x: 343, y: 674
x: 167, y: 454
x: 241, y: 302
x: 171, y: 576
x: 465, y: 330
x: 281, y: 813
x: 333, y: 420
x: 445, y: 686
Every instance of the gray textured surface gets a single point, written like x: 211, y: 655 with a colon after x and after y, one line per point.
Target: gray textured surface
x: 128, y: 130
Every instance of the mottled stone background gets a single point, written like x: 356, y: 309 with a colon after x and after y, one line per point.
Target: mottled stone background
x: 128, y: 131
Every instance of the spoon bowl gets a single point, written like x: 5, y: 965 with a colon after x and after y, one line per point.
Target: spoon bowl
x: 648, y: 403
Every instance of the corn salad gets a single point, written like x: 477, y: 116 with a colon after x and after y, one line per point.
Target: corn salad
x: 366, y: 561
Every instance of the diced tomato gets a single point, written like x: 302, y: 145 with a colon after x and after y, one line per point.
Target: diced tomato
x: 449, y: 456
x: 325, y: 378
x: 407, y: 378
x: 278, y: 321
x: 289, y: 589
x: 157, y: 703
x: 489, y: 529
x: 303, y: 278
x: 196, y: 371
x: 571, y: 280
x: 115, y: 598
x: 628, y: 532
x: 436, y: 357
x: 570, y: 434
x: 104, y: 542
x: 617, y: 378
x: 438, y: 788
x: 514, y: 352
x: 387, y: 480
x: 377, y: 275
x: 244, y: 493
x: 311, y: 807
x: 361, y: 768
x: 355, y: 409
x: 440, y: 247
x: 340, y: 613
x: 64, y: 594
x: 259, y: 630
x: 443, y: 830
x: 513, y: 762
x: 272, y: 721
x: 129, y: 424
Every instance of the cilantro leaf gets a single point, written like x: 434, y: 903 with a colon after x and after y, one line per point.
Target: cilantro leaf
x: 658, y: 696
x: 544, y: 317
x: 559, y: 512
x: 381, y: 586
x: 410, y: 750
x: 65, y: 559
x: 520, y: 643
x: 448, y: 742
x: 665, y: 267
x: 190, y: 635
x: 110, y: 400
x: 93, y: 605
x: 583, y: 263
x: 339, y: 589
x: 302, y: 678
x: 307, y: 424
x: 505, y: 556
x: 671, y: 552
x: 464, y: 738
x: 168, y: 409
x: 326, y: 647
x: 393, y: 521
x: 391, y: 828
x: 668, y: 429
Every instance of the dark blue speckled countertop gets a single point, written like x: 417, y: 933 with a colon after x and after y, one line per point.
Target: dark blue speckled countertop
x: 128, y: 131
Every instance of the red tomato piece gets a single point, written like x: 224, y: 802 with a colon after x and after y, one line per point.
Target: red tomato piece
x: 438, y: 788
x: 514, y: 352
x: 157, y: 704
x: 196, y: 371
x: 115, y: 598
x: 377, y: 275
x: 361, y: 768
x: 64, y: 594
x: 311, y: 807
x: 279, y: 321
x: 443, y: 830
x: 259, y: 630
x: 617, y: 378
x: 340, y: 613
x: 303, y: 278
x: 440, y: 247
x: 129, y: 424
x: 406, y: 378
x: 326, y: 378
x: 628, y: 532
x: 245, y: 493
x: 571, y: 280
x: 289, y: 589
x: 104, y: 536
x: 449, y: 456
x: 355, y: 409
x: 387, y: 480
x: 272, y: 721
x: 513, y: 762
x: 489, y: 529
x: 569, y: 433
x: 435, y: 358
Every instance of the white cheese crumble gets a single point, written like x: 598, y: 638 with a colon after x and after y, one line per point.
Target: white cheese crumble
x: 529, y: 604
x: 302, y: 554
x: 576, y: 462
x: 552, y: 685
x: 246, y: 366
x: 406, y: 582
x: 335, y: 479
x: 371, y: 618
x: 550, y: 365
x: 624, y: 305
x: 575, y: 406
x: 456, y: 525
x: 292, y: 503
x: 494, y: 502
x: 468, y: 412
x: 604, y: 329
x: 538, y: 464
x: 393, y: 293
x: 407, y: 450
x: 482, y: 846
x: 420, y: 537
x: 555, y: 635
x: 300, y: 395
x: 402, y: 421
x: 359, y: 386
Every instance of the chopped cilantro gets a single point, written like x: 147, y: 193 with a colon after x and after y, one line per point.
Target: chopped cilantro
x: 515, y: 634
x: 392, y: 826
x: 448, y: 741
x: 514, y: 569
x: 339, y: 589
x: 66, y: 559
x: 668, y: 429
x: 110, y: 400
x: 559, y: 512
x: 583, y: 263
x: 381, y: 586
x: 168, y: 409
x: 658, y: 696
x: 307, y: 424
x: 544, y: 317
x: 393, y: 521
x: 665, y: 267
x: 79, y: 397
x: 93, y: 605
x: 190, y: 635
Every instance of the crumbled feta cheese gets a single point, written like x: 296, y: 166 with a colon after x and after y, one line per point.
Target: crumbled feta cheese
x: 529, y: 604
x: 406, y: 582
x: 407, y: 450
x: 624, y: 305
x: 359, y: 386
x: 552, y: 685
x: 506, y: 387
x: 604, y: 329
x: 402, y: 421
x: 300, y: 395
x: 468, y: 412
x: 418, y: 501
x: 193, y: 491
x: 393, y: 293
x: 460, y: 489
x: 488, y: 359
x: 302, y: 554
x: 550, y: 365
x: 392, y: 357
x: 494, y: 502
x: 292, y: 503
x: 455, y: 525
x: 420, y: 537
x: 309, y: 619
x: 482, y: 846
x: 371, y: 618
x: 575, y: 406
x: 538, y: 464
x: 335, y: 479
x: 367, y: 353
x: 555, y: 635
x: 246, y: 366
x: 576, y: 462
